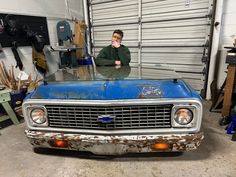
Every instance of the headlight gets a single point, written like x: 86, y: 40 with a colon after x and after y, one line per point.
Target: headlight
x: 183, y: 116
x: 38, y: 116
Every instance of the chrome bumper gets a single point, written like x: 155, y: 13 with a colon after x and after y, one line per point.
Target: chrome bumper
x: 115, y: 145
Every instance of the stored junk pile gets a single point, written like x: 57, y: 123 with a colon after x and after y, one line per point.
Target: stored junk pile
x: 17, y: 86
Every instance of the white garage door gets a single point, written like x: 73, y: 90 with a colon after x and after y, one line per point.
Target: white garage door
x: 170, y: 32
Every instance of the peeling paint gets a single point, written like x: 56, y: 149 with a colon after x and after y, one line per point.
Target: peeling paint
x: 151, y: 91
x: 116, y: 145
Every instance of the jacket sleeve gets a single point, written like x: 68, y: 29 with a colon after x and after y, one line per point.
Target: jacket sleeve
x: 103, y: 59
x: 124, y: 55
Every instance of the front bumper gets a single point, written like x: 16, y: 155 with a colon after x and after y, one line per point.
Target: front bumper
x: 115, y: 145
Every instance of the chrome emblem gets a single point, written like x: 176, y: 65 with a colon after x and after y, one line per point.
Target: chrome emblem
x: 151, y: 91
x: 106, y: 118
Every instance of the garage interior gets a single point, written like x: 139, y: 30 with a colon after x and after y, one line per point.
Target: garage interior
x: 194, y: 38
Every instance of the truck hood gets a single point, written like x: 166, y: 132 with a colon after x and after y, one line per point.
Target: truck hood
x: 114, y: 90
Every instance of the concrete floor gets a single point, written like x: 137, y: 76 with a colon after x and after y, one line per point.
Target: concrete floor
x: 215, y: 157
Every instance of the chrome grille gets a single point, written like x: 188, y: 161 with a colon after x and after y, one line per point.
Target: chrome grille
x: 124, y: 117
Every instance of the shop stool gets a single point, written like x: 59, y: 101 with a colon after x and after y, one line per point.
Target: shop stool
x: 4, y: 100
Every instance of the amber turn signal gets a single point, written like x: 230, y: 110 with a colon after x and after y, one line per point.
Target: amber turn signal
x: 59, y: 143
x: 160, y: 146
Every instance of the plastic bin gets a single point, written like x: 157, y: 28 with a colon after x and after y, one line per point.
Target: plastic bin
x: 86, y: 61
x: 17, y: 98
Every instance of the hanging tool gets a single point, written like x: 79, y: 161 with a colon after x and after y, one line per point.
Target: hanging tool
x: 12, y: 29
x: 16, y: 55
x: 0, y: 48
x: 2, y: 27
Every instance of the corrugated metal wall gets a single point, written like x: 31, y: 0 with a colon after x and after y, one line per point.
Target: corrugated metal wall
x: 170, y: 32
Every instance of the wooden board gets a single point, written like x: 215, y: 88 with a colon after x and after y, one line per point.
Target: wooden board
x: 228, y: 90
x: 79, y: 38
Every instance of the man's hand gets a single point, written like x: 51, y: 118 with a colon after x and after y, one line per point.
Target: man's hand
x: 117, y: 62
x: 115, y: 44
x: 117, y: 66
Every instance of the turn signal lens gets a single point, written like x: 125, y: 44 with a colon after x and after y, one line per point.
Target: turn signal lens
x: 59, y: 143
x: 160, y: 146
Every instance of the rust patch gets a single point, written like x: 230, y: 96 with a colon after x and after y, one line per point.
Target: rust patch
x: 128, y: 143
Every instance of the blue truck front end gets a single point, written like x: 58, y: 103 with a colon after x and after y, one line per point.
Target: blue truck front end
x: 114, y: 116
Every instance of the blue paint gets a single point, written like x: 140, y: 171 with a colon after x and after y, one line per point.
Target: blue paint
x: 115, y: 90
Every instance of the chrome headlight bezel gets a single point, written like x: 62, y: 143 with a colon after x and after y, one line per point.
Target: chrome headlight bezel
x: 30, y: 110
x: 192, y: 122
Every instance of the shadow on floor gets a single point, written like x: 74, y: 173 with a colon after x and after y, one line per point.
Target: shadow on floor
x: 89, y: 155
x: 8, y: 122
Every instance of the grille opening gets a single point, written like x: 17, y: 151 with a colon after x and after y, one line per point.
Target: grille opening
x: 124, y: 117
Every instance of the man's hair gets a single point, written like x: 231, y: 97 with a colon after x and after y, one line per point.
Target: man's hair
x: 119, y: 32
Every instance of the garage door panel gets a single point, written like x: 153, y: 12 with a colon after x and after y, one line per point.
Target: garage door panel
x: 178, y: 50
x: 174, y: 42
x: 188, y: 35
x: 175, y: 15
x: 169, y: 32
x: 197, y: 87
x: 186, y: 12
x: 174, y: 6
x: 134, y: 57
x: 174, y: 30
x: 118, y: 21
x: 130, y: 35
x: 186, y: 2
x: 193, y: 76
x: 113, y: 14
x: 111, y: 28
x: 187, y: 68
x: 196, y: 81
x: 104, y: 4
x: 148, y: 35
x: 116, y: 12
x: 176, y: 23
x: 173, y: 58
x: 193, y: 81
x: 128, y: 9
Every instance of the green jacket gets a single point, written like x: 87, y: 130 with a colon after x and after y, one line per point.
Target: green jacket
x: 108, y: 55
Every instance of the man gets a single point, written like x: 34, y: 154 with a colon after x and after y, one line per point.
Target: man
x: 115, y: 54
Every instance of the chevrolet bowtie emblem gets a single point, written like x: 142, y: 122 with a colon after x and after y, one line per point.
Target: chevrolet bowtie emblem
x: 106, y: 118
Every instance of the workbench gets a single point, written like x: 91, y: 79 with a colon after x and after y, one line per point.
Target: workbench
x: 230, y: 81
x: 229, y: 90
x: 4, y: 100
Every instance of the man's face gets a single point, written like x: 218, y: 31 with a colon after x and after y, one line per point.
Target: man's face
x: 116, y: 38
